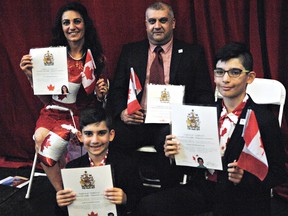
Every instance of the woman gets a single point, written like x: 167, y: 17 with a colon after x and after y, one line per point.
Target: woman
x: 74, y: 29
x: 64, y: 90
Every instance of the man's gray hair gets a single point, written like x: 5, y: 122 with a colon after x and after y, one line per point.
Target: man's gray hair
x: 160, y: 6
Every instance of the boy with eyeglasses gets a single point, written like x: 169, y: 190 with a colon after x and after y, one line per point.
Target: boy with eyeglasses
x: 233, y: 191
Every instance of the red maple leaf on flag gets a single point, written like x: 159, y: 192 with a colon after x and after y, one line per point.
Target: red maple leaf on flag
x: 88, y: 73
x: 129, y: 93
x: 253, y: 157
x: 51, y: 87
x: 93, y: 214
x: 46, y: 143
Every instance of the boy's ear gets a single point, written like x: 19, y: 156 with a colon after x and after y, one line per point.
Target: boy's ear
x: 251, y: 77
x: 111, y: 135
x: 79, y: 136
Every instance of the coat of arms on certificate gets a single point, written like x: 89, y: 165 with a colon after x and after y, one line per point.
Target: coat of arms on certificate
x: 193, y: 121
x: 165, y: 96
x: 87, y: 181
x: 48, y: 59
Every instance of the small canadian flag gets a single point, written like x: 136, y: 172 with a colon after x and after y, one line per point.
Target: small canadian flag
x: 134, y: 89
x: 253, y: 157
x: 88, y: 76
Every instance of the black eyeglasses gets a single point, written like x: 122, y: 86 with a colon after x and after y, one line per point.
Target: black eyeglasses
x: 233, y: 72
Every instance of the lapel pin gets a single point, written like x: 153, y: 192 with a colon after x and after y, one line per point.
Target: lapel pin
x: 242, y: 121
x: 180, y: 51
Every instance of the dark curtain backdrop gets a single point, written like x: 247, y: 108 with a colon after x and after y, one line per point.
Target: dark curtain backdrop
x: 262, y: 24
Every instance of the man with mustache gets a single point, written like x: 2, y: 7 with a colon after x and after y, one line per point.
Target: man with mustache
x: 183, y: 64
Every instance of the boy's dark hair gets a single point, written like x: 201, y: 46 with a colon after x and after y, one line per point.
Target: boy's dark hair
x: 94, y: 115
x: 236, y: 50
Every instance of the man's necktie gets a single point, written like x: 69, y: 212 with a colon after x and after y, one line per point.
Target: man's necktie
x: 157, y: 70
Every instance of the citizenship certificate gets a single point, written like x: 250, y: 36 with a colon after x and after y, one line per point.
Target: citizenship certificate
x: 50, y: 71
x: 196, y: 128
x: 159, y: 100
x: 89, y: 185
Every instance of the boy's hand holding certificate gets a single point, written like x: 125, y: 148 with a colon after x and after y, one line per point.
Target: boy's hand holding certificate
x: 196, y: 128
x: 50, y: 71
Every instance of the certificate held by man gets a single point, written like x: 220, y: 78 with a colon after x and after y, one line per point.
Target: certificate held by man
x: 196, y: 128
x: 49, y: 72
x: 159, y: 101
x: 89, y: 184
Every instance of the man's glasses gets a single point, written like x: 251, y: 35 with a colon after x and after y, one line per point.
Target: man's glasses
x: 233, y: 72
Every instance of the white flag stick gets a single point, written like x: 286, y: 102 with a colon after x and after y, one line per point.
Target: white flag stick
x: 31, y: 177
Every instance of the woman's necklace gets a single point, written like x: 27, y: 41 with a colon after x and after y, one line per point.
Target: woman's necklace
x: 77, y: 59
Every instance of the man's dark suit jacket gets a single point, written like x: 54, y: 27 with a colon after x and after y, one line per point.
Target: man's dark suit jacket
x: 125, y: 176
x: 188, y: 67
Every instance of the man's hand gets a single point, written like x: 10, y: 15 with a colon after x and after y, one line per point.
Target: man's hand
x: 171, y: 146
x: 235, y: 174
x: 135, y: 118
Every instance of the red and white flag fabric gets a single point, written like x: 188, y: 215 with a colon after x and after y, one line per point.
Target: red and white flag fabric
x: 253, y: 157
x: 88, y: 76
x: 134, y: 89
x: 53, y: 146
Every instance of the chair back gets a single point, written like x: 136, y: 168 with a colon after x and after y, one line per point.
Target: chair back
x: 265, y: 91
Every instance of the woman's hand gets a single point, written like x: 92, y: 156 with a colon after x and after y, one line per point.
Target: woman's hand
x: 171, y: 146
x: 116, y: 196
x: 26, y: 66
x: 65, y: 197
x: 235, y: 174
x: 102, y: 88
